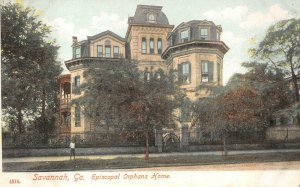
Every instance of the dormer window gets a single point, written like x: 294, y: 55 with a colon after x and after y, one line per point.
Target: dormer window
x: 151, y: 18
x: 184, y: 36
x: 204, y: 33
x: 77, y: 52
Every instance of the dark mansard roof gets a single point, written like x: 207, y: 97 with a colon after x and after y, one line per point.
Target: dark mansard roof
x: 141, y: 16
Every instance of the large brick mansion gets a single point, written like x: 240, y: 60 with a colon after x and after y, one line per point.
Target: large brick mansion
x: 192, y: 48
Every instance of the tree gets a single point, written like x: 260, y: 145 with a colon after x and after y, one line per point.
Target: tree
x: 28, y: 67
x: 117, y: 95
x: 245, y: 105
x: 236, y: 109
x: 281, y: 49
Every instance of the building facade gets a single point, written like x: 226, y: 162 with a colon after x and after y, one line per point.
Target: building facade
x: 193, y: 49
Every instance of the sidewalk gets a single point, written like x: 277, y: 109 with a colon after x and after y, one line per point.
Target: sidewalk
x: 153, y: 155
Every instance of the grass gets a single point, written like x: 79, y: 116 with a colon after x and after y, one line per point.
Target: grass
x: 125, y: 163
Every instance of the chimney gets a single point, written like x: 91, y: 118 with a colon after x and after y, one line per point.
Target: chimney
x: 74, y: 38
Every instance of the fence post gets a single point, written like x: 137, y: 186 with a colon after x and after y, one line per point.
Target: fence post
x: 158, y: 139
x: 184, y: 137
x: 199, y: 135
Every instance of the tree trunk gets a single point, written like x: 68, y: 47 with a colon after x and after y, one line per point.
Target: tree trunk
x: 147, y: 146
x: 19, y: 120
x: 43, y: 103
x: 294, y: 78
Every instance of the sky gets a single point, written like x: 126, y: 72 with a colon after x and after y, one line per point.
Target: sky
x: 244, y: 22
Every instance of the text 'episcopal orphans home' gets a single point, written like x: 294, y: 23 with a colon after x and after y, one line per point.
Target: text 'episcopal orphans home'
x: 193, y: 49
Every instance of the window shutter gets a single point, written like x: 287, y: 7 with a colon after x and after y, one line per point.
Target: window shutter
x: 145, y: 76
x: 210, y: 71
x: 190, y: 73
x: 219, y: 75
x: 179, y: 72
x: 73, y: 85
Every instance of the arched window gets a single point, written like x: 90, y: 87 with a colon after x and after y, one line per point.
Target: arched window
x: 151, y: 18
x: 159, y: 46
x: 147, y: 76
x: 144, y: 45
x: 151, y: 43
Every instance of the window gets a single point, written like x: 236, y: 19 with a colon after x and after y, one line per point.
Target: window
x: 170, y: 41
x: 144, y: 46
x: 184, y: 73
x: 218, y: 35
x: 116, y: 52
x: 204, y: 34
x: 151, y: 18
x: 151, y: 46
x: 158, y: 76
x: 76, y: 85
x: 207, y: 71
x: 204, y: 71
x: 77, y: 52
x: 99, y: 51
x: 77, y: 81
x: 107, y: 51
x: 159, y: 46
x: 65, y: 119
x: 77, y: 116
x: 147, y: 76
x: 184, y: 36
x: 219, y: 73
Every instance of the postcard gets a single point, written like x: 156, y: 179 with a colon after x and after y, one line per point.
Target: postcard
x: 150, y: 93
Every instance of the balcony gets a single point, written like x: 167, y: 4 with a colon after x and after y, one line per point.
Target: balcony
x: 65, y: 103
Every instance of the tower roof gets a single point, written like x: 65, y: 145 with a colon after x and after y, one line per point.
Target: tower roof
x: 141, y: 15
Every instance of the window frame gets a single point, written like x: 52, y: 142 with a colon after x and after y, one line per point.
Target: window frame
x: 159, y: 49
x: 76, y: 85
x: 151, y: 20
x: 218, y: 36
x: 204, y: 37
x: 147, y: 76
x: 116, y: 55
x: 209, y: 74
x: 204, y: 65
x: 182, y: 40
x: 219, y: 73
x: 184, y: 73
x: 77, y: 81
x: 144, y: 45
x: 99, y: 47
x: 77, y: 49
x: 151, y: 41
x: 106, y: 53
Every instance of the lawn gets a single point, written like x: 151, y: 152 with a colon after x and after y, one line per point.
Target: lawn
x: 126, y: 163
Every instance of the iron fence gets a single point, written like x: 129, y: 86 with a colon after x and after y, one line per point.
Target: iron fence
x: 274, y: 136
x: 82, y: 139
